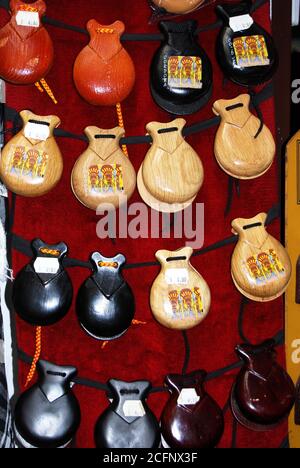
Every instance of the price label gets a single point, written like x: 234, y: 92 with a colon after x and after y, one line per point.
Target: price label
x: 37, y: 131
x: 28, y: 18
x: 177, y: 276
x: 133, y: 409
x: 44, y: 265
x: 241, y: 23
x: 188, y: 396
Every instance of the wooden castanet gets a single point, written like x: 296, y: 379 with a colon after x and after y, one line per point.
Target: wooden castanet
x: 244, y: 146
x: 245, y: 51
x: 128, y: 422
x: 263, y: 394
x: 47, y: 415
x: 31, y: 163
x: 103, y: 174
x: 172, y: 172
x: 180, y: 298
x: 104, y: 73
x: 179, y: 7
x: 26, y: 52
x: 191, y: 418
x: 260, y: 266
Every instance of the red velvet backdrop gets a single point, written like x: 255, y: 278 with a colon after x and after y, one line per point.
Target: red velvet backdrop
x: 146, y: 351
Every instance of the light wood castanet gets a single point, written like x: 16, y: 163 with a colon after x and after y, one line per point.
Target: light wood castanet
x: 179, y: 7
x: 180, y: 298
x: 30, y: 167
x: 260, y: 266
x: 172, y: 172
x: 243, y: 148
x: 103, y: 174
x: 292, y: 309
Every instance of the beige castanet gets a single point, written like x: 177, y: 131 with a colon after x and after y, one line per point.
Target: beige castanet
x: 244, y: 148
x: 172, y: 172
x: 180, y: 298
x: 179, y: 7
x: 103, y: 173
x: 260, y: 266
x: 32, y: 167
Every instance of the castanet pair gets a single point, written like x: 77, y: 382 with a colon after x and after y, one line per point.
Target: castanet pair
x: 43, y: 292
x: 48, y: 414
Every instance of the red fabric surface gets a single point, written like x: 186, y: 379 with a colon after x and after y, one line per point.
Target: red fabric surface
x: 146, y: 351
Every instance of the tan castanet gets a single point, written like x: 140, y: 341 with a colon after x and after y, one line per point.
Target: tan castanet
x: 180, y: 298
x: 260, y: 266
x: 103, y: 174
x: 172, y: 171
x: 28, y: 166
x: 26, y: 53
x: 179, y: 6
x: 244, y: 146
x: 104, y: 72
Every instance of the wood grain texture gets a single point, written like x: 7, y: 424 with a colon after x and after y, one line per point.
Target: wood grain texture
x: 183, y: 304
x: 172, y: 171
x: 292, y: 235
x: 179, y: 6
x: 31, y: 167
x: 239, y: 149
x: 104, y: 73
x: 103, y: 174
x: 260, y: 266
x: 26, y: 53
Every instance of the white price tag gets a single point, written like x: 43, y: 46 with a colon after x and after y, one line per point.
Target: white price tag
x: 177, y: 276
x: 188, y: 396
x: 133, y: 409
x: 28, y: 18
x: 36, y: 131
x: 241, y: 23
x: 46, y: 265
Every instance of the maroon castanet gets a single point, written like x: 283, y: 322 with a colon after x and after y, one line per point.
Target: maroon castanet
x: 104, y: 73
x: 191, y: 419
x: 263, y: 394
x: 26, y: 52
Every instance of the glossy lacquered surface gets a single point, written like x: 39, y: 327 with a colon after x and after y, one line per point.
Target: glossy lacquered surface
x: 191, y: 426
x: 244, y: 146
x: 103, y: 173
x: 115, y: 429
x: 104, y: 73
x: 48, y: 414
x: 263, y: 394
x: 32, y: 167
x: 179, y: 7
x: 180, y: 297
x: 181, y: 73
x: 255, y: 42
x: 26, y: 53
x: 260, y: 265
x: 105, y: 303
x: 43, y: 298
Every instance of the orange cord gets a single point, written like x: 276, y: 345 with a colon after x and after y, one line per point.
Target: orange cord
x: 27, y: 8
x: 37, y: 84
x: 48, y: 90
x: 37, y: 354
x: 138, y: 322
x: 121, y: 124
x: 104, y: 344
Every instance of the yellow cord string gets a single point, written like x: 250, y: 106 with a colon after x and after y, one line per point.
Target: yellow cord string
x: 121, y: 124
x: 48, y: 90
x: 37, y: 355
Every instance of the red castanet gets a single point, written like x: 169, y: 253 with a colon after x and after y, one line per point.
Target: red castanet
x: 26, y: 52
x: 104, y: 73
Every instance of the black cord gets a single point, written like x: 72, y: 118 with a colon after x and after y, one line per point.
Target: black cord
x: 229, y: 196
x: 234, y: 433
x: 244, y: 302
x: 187, y: 353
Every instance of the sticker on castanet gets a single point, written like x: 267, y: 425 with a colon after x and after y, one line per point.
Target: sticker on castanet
x: 251, y: 51
x: 29, y: 162
x: 107, y: 178
x: 185, y: 72
x: 264, y: 267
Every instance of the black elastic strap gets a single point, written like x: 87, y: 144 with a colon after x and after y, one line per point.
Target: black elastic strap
x: 187, y: 353
x: 229, y: 196
x: 243, y: 337
x: 234, y: 433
